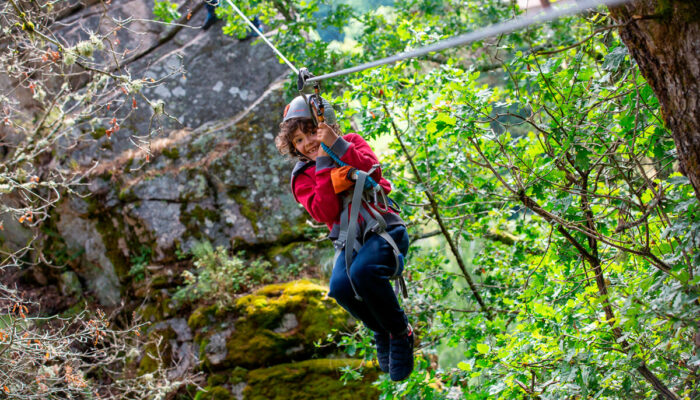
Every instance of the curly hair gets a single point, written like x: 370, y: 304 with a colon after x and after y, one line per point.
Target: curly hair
x: 288, y: 128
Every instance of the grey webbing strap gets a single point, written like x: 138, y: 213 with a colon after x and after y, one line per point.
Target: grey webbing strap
x: 343, y: 234
x: 339, y: 243
x: 394, y: 247
x: 376, y: 216
x: 347, y: 237
x: 379, y: 227
x: 355, y: 206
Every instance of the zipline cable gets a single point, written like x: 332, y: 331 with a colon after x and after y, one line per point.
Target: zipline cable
x: 480, y: 34
x: 256, y: 30
x: 500, y: 28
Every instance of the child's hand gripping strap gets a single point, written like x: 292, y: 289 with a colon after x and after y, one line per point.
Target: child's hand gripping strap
x: 341, y: 178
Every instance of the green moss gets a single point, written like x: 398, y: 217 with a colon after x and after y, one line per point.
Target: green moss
x: 310, y: 379
x: 186, y: 393
x: 194, y: 220
x: 214, y: 393
x: 200, y: 214
x: 98, y: 133
x: 150, y: 312
x: 317, y: 323
x: 282, y: 250
x: 172, y: 154
x: 55, y: 247
x: 126, y: 195
x: 201, y: 317
x: 75, y: 309
x: 160, y: 281
x: 158, y: 310
x: 255, y: 342
x: 217, y: 379
x: 247, y: 208
x: 110, y: 237
x: 249, y: 346
x: 128, y: 164
x: 148, y: 364
x: 238, y: 375
x: 268, y: 304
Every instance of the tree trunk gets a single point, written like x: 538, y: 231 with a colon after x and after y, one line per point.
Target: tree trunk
x: 663, y: 36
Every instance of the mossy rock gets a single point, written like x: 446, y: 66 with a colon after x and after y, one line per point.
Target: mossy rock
x: 281, y: 322
x: 171, y: 153
x: 202, y: 317
x: 277, y: 323
x: 214, y: 393
x: 310, y: 379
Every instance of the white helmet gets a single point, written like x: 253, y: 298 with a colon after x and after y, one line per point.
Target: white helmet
x: 301, y: 107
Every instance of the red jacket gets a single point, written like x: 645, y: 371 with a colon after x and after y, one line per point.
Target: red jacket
x: 312, y: 185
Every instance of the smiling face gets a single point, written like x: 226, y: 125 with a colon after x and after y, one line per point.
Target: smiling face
x: 306, y: 143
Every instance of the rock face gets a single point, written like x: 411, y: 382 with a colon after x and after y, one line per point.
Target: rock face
x: 212, y: 172
x: 225, y: 184
x: 318, y: 379
x: 81, y: 234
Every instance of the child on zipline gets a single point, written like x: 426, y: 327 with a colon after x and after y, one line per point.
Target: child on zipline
x: 363, y: 289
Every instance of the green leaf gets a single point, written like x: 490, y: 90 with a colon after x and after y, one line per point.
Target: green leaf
x: 446, y: 119
x: 464, y: 366
x: 166, y: 11
x: 583, y: 157
x: 483, y: 348
x: 615, y: 58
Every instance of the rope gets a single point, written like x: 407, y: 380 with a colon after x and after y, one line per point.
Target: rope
x: 256, y: 30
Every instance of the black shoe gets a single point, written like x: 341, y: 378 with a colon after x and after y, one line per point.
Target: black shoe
x: 383, y: 341
x: 401, y: 356
x: 211, y: 20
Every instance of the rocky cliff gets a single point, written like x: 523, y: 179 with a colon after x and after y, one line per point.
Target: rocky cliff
x: 202, y: 170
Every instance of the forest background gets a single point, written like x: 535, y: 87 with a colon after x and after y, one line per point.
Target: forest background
x: 555, y: 232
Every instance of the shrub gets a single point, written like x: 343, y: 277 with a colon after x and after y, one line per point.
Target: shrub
x: 220, y: 276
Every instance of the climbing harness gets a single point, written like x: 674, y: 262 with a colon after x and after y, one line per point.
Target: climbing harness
x: 355, y: 205
x: 366, y: 192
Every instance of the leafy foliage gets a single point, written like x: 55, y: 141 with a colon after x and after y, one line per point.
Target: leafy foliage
x: 166, y: 11
x: 139, y: 263
x: 219, y: 277
x: 542, y: 160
